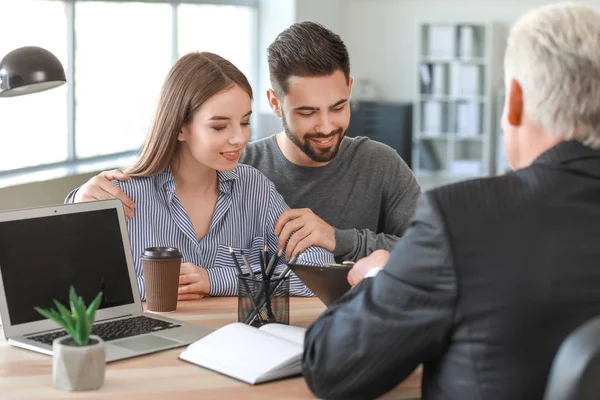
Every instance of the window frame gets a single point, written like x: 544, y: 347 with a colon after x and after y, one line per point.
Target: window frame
x: 75, y: 165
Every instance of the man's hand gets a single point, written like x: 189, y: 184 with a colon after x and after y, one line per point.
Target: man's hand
x: 306, y: 229
x: 100, y: 187
x: 193, y: 282
x: 376, y: 259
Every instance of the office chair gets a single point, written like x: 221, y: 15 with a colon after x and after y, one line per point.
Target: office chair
x: 575, y: 373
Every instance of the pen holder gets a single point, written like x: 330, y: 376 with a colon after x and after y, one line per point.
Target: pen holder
x: 262, y: 302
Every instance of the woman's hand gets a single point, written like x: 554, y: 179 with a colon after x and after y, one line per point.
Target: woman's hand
x: 193, y: 282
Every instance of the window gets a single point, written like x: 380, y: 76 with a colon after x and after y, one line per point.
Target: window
x: 116, y: 55
x: 224, y: 30
x: 119, y: 72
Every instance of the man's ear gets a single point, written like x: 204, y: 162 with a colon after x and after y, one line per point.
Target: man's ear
x: 274, y: 102
x: 515, y: 103
x: 350, y: 83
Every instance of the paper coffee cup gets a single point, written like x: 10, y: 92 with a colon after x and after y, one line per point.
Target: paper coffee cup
x: 161, y: 267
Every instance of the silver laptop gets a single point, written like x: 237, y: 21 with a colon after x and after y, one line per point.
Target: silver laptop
x: 43, y: 251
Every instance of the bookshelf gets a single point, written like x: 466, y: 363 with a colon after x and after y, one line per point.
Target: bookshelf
x: 459, y: 73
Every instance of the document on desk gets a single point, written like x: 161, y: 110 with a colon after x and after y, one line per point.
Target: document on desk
x: 253, y: 355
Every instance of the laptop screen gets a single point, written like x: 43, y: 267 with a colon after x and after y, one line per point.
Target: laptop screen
x: 40, y: 258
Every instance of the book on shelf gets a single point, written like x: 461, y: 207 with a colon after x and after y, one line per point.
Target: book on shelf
x: 433, y: 79
x: 466, y: 39
x: 466, y: 80
x: 438, y: 85
x: 441, y: 42
x: 433, y: 117
x: 426, y: 79
x: 467, y: 119
x: 249, y: 354
x: 428, y: 158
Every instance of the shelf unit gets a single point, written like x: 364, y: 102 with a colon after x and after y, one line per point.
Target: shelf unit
x: 502, y: 165
x: 459, y: 72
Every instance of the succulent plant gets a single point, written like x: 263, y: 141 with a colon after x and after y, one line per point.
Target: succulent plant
x: 78, y: 321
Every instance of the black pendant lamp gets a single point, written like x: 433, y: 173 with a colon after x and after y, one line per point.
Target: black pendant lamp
x: 28, y: 70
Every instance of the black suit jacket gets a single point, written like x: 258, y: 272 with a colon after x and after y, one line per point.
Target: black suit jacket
x: 488, y: 280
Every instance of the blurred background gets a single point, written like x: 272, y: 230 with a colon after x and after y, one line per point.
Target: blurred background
x: 428, y: 79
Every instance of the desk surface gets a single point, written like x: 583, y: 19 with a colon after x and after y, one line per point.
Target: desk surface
x: 28, y: 375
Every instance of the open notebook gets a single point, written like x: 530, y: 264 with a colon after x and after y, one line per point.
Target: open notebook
x: 249, y: 354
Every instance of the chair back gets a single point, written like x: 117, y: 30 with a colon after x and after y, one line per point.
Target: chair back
x: 575, y: 373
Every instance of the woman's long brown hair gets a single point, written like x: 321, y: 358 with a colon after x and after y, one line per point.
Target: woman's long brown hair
x: 193, y: 79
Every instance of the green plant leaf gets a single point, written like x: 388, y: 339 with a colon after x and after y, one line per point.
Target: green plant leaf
x: 83, y: 330
x: 86, y: 325
x: 90, y: 313
x: 79, y: 332
x: 73, y: 301
x: 57, y: 316
x: 51, y: 316
x: 66, y: 315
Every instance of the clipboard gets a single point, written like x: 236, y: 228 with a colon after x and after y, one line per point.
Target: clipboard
x: 328, y: 282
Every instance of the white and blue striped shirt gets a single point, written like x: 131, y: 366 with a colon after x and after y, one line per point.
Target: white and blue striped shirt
x: 247, y: 209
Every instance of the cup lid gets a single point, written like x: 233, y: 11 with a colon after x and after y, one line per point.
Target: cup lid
x: 161, y: 252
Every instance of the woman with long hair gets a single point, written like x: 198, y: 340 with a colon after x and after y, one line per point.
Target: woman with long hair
x: 188, y: 189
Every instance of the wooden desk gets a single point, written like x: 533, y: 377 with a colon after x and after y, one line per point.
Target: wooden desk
x: 28, y: 375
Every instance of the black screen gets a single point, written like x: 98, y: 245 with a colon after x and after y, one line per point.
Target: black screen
x: 40, y: 258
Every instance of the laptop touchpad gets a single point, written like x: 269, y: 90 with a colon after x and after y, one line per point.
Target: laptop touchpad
x: 146, y: 343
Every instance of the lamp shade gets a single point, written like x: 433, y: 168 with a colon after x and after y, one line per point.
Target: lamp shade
x: 29, y: 69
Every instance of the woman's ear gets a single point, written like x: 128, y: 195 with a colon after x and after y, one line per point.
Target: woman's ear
x: 183, y: 134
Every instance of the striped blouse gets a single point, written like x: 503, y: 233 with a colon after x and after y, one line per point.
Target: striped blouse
x: 247, y: 208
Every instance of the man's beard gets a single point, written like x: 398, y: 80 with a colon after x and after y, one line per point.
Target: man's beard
x: 314, y: 153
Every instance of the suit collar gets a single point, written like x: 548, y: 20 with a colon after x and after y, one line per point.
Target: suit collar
x: 565, y: 152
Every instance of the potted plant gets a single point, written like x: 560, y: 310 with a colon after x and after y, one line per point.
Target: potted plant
x: 79, y: 358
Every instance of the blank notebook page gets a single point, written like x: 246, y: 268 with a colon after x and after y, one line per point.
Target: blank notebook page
x: 242, y: 351
x: 293, y: 333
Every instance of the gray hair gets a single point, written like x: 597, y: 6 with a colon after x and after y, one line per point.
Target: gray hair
x: 553, y: 52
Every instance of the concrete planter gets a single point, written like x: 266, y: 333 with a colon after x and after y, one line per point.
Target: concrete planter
x: 77, y: 367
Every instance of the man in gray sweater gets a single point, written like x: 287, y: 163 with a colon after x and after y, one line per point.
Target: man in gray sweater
x: 350, y: 196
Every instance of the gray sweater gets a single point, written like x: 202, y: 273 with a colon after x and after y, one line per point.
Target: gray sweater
x: 367, y: 192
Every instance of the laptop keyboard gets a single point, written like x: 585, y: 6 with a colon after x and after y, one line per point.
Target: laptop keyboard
x: 117, y: 329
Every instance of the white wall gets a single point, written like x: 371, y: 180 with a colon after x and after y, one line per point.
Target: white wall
x: 381, y: 34
x: 330, y: 13
x: 274, y: 16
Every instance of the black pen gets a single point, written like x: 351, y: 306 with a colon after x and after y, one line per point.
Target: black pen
x: 266, y: 283
x: 262, y: 264
x: 272, y: 264
x: 247, y: 264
